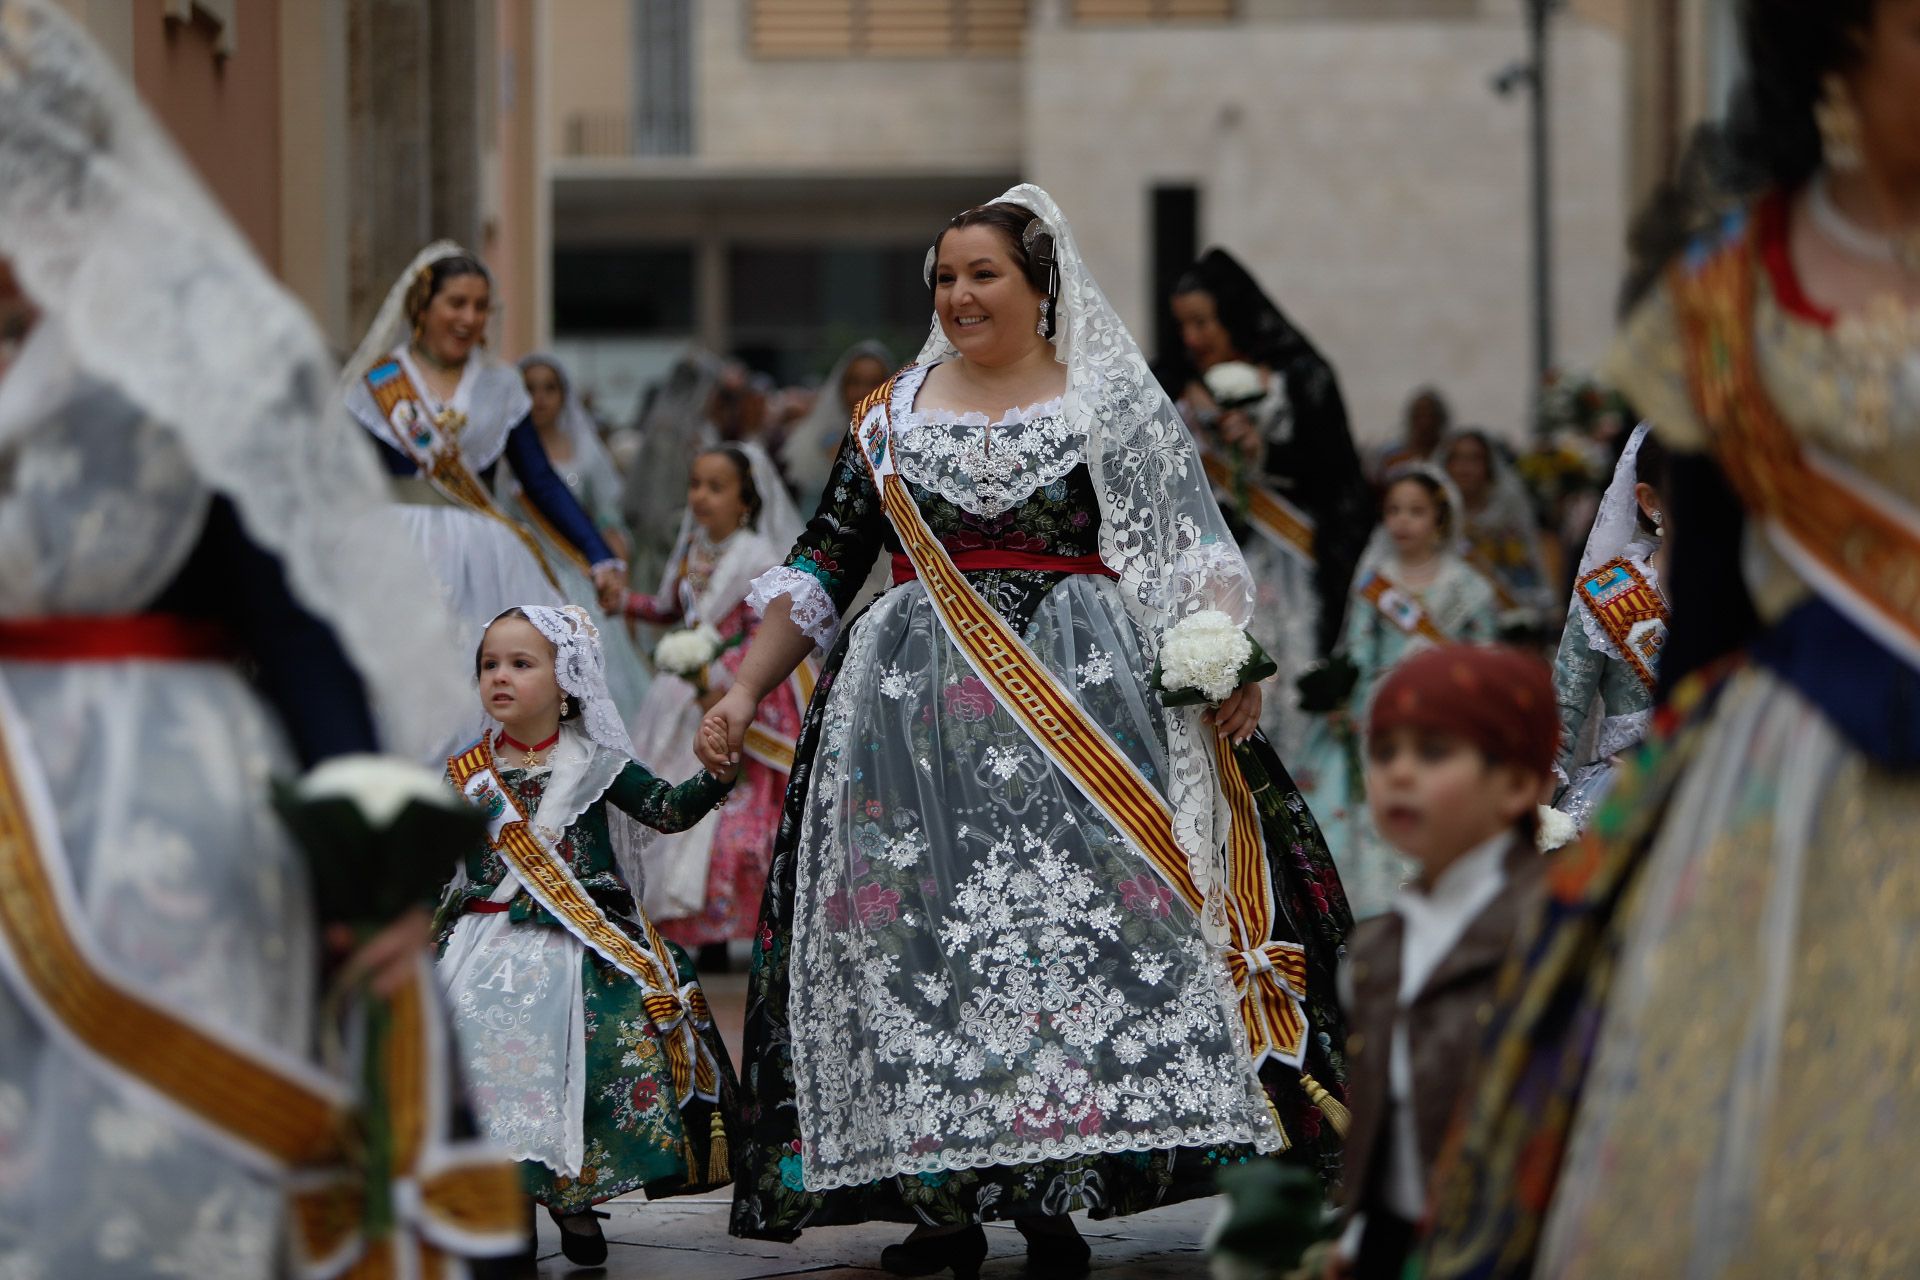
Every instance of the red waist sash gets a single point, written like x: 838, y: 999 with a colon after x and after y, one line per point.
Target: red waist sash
x: 484, y: 907
x: 163, y: 637
x: 974, y: 561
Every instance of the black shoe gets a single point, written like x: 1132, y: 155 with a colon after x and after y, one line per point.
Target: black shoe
x: 583, y: 1248
x: 963, y: 1250
x: 1056, y: 1253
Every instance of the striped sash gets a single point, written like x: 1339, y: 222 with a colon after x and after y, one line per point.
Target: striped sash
x: 1270, y: 976
x: 1272, y: 516
x: 1401, y: 608
x: 679, y: 1013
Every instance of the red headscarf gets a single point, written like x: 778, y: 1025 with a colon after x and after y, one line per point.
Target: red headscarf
x: 1497, y: 698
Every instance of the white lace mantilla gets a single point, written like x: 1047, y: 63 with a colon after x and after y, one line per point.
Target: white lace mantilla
x: 983, y: 467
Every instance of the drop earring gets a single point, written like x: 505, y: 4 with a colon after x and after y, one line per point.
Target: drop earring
x: 1839, y: 124
x: 566, y: 707
x: 1659, y: 525
x: 1046, y: 313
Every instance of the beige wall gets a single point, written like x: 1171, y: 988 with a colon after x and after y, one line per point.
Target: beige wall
x: 591, y: 45
x: 224, y: 111
x: 935, y: 115
x: 1365, y: 172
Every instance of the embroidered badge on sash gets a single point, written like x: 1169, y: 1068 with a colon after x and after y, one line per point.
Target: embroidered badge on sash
x: 1401, y: 608
x: 1631, y: 612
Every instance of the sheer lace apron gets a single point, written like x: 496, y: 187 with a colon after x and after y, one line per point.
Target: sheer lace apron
x: 520, y: 1015
x: 984, y: 973
x: 158, y: 774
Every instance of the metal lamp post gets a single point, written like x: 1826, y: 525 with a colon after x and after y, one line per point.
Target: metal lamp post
x: 1533, y: 76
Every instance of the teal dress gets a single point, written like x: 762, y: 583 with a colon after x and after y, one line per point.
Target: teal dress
x: 635, y: 1135
x: 1461, y: 603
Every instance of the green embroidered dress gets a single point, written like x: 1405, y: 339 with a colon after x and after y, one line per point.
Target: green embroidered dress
x: 572, y: 1077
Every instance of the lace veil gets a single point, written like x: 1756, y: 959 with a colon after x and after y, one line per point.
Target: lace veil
x: 808, y: 451
x: 1380, y: 547
x: 589, y: 453
x: 1618, y: 522
x: 779, y: 524
x: 155, y: 293
x: 1160, y: 529
x: 592, y: 749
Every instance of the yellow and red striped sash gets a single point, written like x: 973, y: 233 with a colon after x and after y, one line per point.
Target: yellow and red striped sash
x: 774, y: 749
x: 680, y: 1013
x: 1270, y: 976
x: 1401, y: 608
x: 538, y: 519
x: 271, y: 1111
x: 1272, y: 516
x: 437, y: 455
x: 1855, y: 544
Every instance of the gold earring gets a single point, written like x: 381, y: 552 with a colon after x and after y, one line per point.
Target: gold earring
x: 1839, y: 123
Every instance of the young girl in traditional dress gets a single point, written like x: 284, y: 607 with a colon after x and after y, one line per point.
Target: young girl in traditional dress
x: 1413, y: 589
x: 704, y: 885
x: 589, y: 1046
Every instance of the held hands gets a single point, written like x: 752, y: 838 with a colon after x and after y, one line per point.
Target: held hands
x: 610, y: 581
x: 723, y: 731
x: 387, y: 959
x: 1239, y: 715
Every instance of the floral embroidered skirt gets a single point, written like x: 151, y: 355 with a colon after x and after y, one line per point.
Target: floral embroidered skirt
x: 970, y: 998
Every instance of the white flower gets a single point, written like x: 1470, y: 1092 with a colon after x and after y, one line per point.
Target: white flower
x: 379, y: 786
x: 1204, y: 651
x: 1556, y: 829
x: 1002, y: 762
x: 687, y: 652
x: 1234, y: 382
x: 895, y: 684
x: 1097, y: 669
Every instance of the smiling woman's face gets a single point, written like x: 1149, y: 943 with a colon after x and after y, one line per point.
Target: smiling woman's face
x: 455, y: 320
x: 988, y: 310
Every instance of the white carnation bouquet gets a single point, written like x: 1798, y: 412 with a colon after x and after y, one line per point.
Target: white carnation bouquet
x: 688, y: 653
x: 1204, y: 657
x: 1235, y: 384
x: 1556, y: 830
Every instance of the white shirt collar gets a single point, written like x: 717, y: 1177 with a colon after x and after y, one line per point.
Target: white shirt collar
x: 1434, y: 920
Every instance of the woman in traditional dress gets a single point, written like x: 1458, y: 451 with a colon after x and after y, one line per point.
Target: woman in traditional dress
x: 444, y: 414
x: 1500, y: 530
x: 192, y: 605
x: 807, y: 454
x: 1723, y: 991
x: 704, y: 885
x: 672, y: 427
x: 1608, y: 667
x: 1284, y: 465
x: 1413, y: 589
x: 572, y: 445
x: 588, y: 1044
x: 989, y: 983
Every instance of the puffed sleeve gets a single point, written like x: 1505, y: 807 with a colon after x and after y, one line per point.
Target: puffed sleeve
x: 829, y: 562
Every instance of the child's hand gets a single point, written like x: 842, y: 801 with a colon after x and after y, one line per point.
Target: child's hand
x: 714, y: 754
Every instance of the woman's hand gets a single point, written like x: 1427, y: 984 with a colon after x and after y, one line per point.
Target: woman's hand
x: 385, y: 961
x: 1239, y: 715
x: 1238, y: 432
x: 724, y: 729
x: 610, y: 580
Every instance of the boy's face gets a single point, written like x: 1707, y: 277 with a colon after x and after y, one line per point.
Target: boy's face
x: 1435, y: 797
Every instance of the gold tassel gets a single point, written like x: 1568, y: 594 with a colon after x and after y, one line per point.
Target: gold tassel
x: 689, y: 1153
x: 719, y: 1164
x: 1330, y: 1107
x: 1286, y: 1143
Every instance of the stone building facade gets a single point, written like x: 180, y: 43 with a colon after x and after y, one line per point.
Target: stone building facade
x: 1353, y: 152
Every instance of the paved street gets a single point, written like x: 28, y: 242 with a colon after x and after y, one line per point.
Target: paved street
x: 686, y: 1239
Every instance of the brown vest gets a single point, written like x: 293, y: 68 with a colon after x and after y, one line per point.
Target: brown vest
x: 1444, y: 1024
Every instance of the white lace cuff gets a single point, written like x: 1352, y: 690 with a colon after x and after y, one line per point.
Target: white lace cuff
x: 813, y: 609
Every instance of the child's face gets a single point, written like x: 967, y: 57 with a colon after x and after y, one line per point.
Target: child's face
x: 1412, y: 518
x: 517, y: 684
x: 713, y: 495
x: 1435, y: 797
